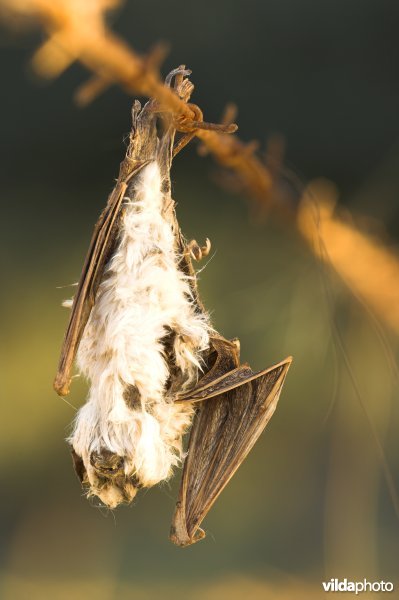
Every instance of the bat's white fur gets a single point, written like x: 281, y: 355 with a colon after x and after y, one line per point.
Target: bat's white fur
x: 142, y: 296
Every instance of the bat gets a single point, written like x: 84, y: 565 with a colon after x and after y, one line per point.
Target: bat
x: 141, y: 336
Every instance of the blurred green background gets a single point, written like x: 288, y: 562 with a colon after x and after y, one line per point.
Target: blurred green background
x: 310, y: 503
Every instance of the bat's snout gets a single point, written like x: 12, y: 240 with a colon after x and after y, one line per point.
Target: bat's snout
x: 107, y: 464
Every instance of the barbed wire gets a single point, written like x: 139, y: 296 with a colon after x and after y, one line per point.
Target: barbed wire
x: 77, y: 31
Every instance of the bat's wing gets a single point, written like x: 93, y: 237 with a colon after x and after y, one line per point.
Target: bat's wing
x: 223, y: 360
x: 100, y: 249
x: 224, y: 372
x: 224, y: 430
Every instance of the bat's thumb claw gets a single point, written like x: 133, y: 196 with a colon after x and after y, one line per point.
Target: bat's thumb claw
x: 186, y: 540
x: 181, y: 533
x: 198, y: 536
x: 61, y: 385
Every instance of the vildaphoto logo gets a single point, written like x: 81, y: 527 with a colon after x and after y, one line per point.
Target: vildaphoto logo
x: 357, y: 587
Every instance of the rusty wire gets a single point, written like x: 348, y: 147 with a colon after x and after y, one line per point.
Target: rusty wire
x: 77, y: 31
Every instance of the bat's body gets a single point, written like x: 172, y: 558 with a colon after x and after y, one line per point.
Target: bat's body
x: 144, y: 341
x: 144, y: 324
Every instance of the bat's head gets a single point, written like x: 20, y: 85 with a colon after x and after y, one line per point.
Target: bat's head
x: 105, y: 477
x: 138, y: 449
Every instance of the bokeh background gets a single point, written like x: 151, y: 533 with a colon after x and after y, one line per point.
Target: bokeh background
x: 311, y: 501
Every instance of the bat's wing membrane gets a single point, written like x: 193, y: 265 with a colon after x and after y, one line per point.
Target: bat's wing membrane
x: 101, y: 246
x: 224, y: 431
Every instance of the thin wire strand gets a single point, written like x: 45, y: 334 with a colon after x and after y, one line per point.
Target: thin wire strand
x: 389, y: 480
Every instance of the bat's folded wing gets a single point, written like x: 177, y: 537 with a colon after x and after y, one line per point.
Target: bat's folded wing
x: 225, y: 429
x: 101, y: 246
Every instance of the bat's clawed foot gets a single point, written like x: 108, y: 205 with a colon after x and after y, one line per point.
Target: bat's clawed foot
x: 198, y: 252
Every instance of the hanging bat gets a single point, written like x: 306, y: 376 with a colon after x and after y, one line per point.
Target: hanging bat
x: 143, y: 339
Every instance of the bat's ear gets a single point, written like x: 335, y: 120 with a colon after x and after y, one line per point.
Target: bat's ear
x: 79, y: 467
x: 224, y: 430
